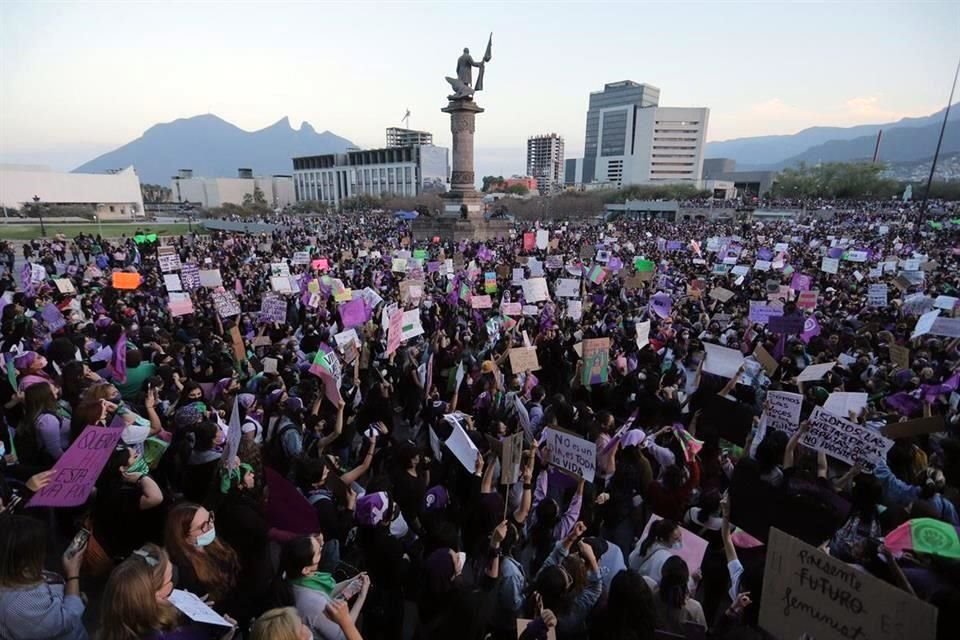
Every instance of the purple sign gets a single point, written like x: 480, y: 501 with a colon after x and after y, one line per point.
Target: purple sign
x: 615, y: 264
x: 53, y: 317
x: 674, y: 245
x: 77, y: 470
x: 353, y: 313
x: 790, y: 324
x: 190, y: 276
x: 800, y: 282
x: 661, y: 304
x: 811, y: 328
x: 835, y: 252
x: 273, y: 309
x: 765, y: 254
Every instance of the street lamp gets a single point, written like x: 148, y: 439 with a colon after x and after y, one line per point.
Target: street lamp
x: 36, y: 203
x: 99, y: 225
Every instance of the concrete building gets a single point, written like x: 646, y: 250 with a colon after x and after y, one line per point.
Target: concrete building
x: 630, y: 139
x: 398, y: 137
x: 397, y: 171
x: 545, y: 162
x: 749, y: 183
x: 111, y: 196
x: 208, y: 193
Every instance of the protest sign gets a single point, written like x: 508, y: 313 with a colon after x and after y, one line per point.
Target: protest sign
x: 64, y: 285
x: 948, y: 327
x: 53, y: 317
x: 190, y: 276
x: 510, y: 458
x: 394, y: 330
x: 841, y: 403
x: 210, y: 278
x: 524, y: 359
x: 225, y: 303
x: 910, y: 428
x: 300, y: 258
x: 596, y: 360
x: 411, y: 324
x: 846, y: 441
x: 807, y: 592
x: 543, y: 238
x: 765, y: 359
x: 535, y: 290
x: 460, y: 444
x: 829, y: 265
x: 782, y: 411
x: 808, y: 300
x: 511, y: 309
x: 172, y: 282
x: 721, y: 294
x: 786, y: 324
x: 643, y: 334
x: 568, y: 288
x: 800, y: 282
x: 353, y: 313
x: 481, y: 302
x: 925, y: 323
x: 692, y: 547
x: 877, y: 295
x: 571, y: 453
x: 169, y: 262
x: 815, y: 372
x: 125, y: 280
x: 196, y: 609
x: 77, y: 470
x: 574, y: 310
x: 273, y: 309
x: 947, y: 303
x: 721, y: 361
x: 761, y: 312
x: 900, y: 356
x: 180, y: 304
x: 529, y: 241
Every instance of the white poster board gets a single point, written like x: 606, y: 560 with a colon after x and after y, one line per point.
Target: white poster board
x: 571, y: 453
x: 846, y: 441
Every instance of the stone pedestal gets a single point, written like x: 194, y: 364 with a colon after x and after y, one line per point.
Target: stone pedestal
x: 455, y: 229
x: 463, y: 190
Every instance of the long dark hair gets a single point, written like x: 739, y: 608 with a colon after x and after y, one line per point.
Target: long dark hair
x: 630, y: 610
x: 673, y: 582
x: 23, y: 547
x: 659, y: 532
x: 294, y: 556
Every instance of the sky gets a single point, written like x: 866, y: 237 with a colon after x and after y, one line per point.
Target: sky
x: 80, y: 78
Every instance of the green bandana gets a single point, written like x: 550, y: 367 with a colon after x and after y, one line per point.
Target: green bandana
x: 140, y: 466
x: 227, y: 475
x: 318, y: 582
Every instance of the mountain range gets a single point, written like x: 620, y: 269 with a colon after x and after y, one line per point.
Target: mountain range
x: 213, y: 147
x: 907, y: 140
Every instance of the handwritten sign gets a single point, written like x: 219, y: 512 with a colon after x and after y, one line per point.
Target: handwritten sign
x: 77, y: 470
x: 273, y: 309
x: 846, y: 441
x: 170, y: 262
x: 761, y: 312
x: 900, y: 356
x: 510, y: 456
x: 210, y: 278
x: 481, y: 302
x: 196, y: 609
x: 829, y: 265
x: 524, y: 359
x: 571, y: 453
x: 225, y: 303
x: 782, y: 411
x: 568, y: 288
x: 807, y: 592
x: 535, y: 290
x: 596, y: 361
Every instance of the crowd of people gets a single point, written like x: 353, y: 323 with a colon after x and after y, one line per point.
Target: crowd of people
x: 312, y: 437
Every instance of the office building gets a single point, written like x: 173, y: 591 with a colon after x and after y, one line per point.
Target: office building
x: 215, y: 192
x: 631, y: 139
x: 545, y: 162
x: 397, y: 171
x: 397, y: 137
x: 114, y: 195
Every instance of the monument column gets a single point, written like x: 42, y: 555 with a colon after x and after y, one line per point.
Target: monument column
x: 463, y: 113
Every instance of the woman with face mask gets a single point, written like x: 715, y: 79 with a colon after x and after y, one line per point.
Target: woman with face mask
x: 136, y: 602
x: 660, y: 544
x: 206, y: 564
x: 312, y: 591
x: 126, y: 508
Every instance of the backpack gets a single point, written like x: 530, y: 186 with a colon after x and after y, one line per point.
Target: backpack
x: 274, y: 454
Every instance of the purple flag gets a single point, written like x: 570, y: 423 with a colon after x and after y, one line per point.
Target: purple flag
x: 800, y: 282
x: 811, y: 328
x: 119, y: 360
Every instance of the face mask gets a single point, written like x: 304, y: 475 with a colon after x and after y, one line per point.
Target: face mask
x: 399, y: 527
x: 206, y: 538
x: 677, y: 545
x: 140, y: 466
x: 461, y: 561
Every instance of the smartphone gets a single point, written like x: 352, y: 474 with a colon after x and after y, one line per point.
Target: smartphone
x: 78, y: 543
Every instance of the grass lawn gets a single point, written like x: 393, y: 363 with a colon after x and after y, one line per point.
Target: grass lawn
x: 109, y: 230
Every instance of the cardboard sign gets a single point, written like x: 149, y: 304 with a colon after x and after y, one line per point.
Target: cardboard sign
x: 524, y: 359
x: 210, y: 278
x: 511, y: 455
x: 126, y: 280
x: 721, y: 294
x: 846, y: 441
x: 571, y: 453
x: 782, y: 411
x: 807, y: 592
x: 765, y: 359
x: 225, y: 303
x: 77, y: 470
x: 900, y: 356
x: 910, y: 428
x: 596, y: 361
x: 64, y: 285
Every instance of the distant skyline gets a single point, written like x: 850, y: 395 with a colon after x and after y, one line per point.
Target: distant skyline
x: 78, y: 79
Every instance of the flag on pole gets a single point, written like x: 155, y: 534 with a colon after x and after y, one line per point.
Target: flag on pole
x: 486, y: 58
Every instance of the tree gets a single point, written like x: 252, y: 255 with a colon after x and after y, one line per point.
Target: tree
x: 518, y: 189
x: 156, y: 193
x: 247, y: 200
x: 258, y: 195
x: 835, y: 180
x: 490, y: 182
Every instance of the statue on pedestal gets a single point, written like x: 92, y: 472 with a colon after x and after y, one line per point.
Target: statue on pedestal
x: 463, y: 84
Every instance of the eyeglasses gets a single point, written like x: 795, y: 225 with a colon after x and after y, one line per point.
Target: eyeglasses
x: 206, y: 526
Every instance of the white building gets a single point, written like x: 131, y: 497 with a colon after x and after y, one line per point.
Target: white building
x: 108, y: 195
x: 545, y: 162
x: 397, y: 171
x: 278, y: 191
x: 630, y: 139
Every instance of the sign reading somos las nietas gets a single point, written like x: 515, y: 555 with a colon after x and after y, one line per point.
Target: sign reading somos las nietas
x: 808, y: 594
